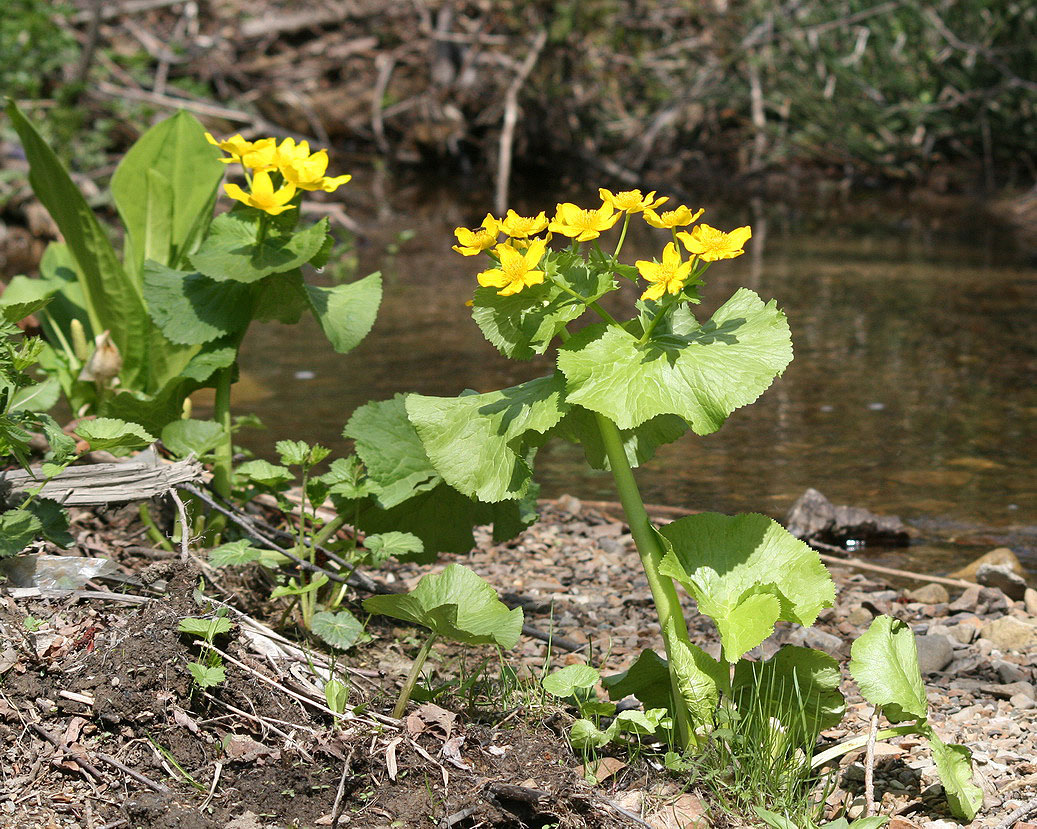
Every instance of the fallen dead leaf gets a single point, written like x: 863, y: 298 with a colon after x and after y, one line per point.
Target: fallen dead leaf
x: 597, y: 771
x: 452, y: 752
x: 685, y: 812
x: 390, y: 757
x: 244, y: 749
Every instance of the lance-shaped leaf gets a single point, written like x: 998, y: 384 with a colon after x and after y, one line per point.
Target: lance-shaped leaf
x: 702, y: 375
x: 164, y: 189
x: 884, y: 664
x: 111, y: 433
x: 346, y: 312
x: 523, y: 324
x: 954, y: 764
x: 192, y: 309
x: 746, y: 572
x: 475, y: 441
x: 457, y: 605
x: 232, y: 251
x: 639, y: 443
x: 798, y: 686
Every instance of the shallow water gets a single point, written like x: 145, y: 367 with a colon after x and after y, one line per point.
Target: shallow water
x: 911, y: 391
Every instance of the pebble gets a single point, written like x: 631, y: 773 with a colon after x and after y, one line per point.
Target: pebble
x: 1030, y: 601
x: 1023, y: 702
x: 1003, y: 578
x: 930, y: 594
x: 1010, y: 634
x: 967, y: 601
x: 860, y: 617
x: 935, y: 652
x: 1010, y: 672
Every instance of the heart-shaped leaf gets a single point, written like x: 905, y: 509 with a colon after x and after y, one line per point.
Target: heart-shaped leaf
x: 340, y: 629
x: 884, y: 664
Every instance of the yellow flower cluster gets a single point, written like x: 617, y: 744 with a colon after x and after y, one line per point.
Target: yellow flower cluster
x: 519, y: 256
x: 298, y: 168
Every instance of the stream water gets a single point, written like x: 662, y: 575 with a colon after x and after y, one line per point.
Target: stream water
x: 911, y: 391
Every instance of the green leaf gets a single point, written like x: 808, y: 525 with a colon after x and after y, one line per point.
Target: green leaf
x: 798, y: 686
x: 23, y: 296
x: 336, y: 693
x: 264, y: 473
x: 164, y: 189
x: 346, y: 313
x: 700, y: 678
x: 53, y: 521
x: 523, y: 324
x: 207, y: 629
x: 281, y: 297
x: 773, y: 819
x: 300, y: 453
x: 189, y: 436
x: 113, y: 299
x: 381, y: 546
x: 340, y: 629
x: 585, y: 735
x: 111, y: 433
x: 230, y: 251
x: 295, y: 588
x: 566, y: 681
x: 191, y: 309
x: 18, y: 529
x: 701, y: 376
x: 884, y: 664
x: 475, y: 442
x: 863, y: 823
x: 640, y: 722
x: 457, y: 605
x: 639, y: 444
x: 954, y: 764
x: 236, y: 553
x: 347, y: 481
x: 206, y: 676
x: 39, y: 397
x: 390, y: 448
x: 746, y: 572
x: 648, y: 679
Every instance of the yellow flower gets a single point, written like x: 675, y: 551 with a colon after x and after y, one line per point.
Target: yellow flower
x: 519, y: 227
x: 471, y: 242
x: 263, y: 195
x: 516, y: 269
x: 710, y: 244
x: 307, y: 172
x: 631, y: 201
x: 667, y: 276
x: 238, y: 147
x: 680, y: 217
x: 582, y: 225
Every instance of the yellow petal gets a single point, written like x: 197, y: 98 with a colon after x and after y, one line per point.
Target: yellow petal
x: 492, y: 279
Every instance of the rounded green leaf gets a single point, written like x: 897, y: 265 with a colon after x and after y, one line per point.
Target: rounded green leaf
x: 232, y: 251
x: 198, y: 437
x: 566, y: 681
x: 702, y: 375
x: 457, y: 605
x: 340, y: 629
x: 346, y: 313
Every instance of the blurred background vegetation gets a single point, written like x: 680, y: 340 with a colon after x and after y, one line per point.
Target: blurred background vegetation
x: 868, y: 92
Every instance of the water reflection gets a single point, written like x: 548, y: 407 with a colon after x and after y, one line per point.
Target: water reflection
x: 910, y: 392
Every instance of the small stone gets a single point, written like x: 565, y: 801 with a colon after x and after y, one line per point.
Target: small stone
x: 1030, y: 601
x: 569, y: 504
x: 934, y: 653
x: 1002, y: 555
x: 930, y: 594
x: 1022, y: 702
x: 1010, y: 634
x: 1010, y: 672
x: 1003, y: 578
x: 967, y: 601
x: 1009, y: 690
x: 820, y: 640
x: 964, y: 633
x: 901, y: 823
x: 860, y: 617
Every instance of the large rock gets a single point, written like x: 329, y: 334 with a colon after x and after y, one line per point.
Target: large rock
x: 1010, y: 634
x: 1002, y: 555
x: 814, y: 518
x: 1004, y: 578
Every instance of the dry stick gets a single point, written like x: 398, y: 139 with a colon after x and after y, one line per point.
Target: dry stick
x: 211, y: 110
x: 185, y: 539
x: 60, y: 746
x: 336, y: 810
x: 385, y: 64
x: 111, y: 10
x: 869, y: 764
x: 507, y: 136
x: 136, y: 775
x: 1023, y: 811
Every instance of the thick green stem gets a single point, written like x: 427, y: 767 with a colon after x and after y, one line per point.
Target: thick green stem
x: 412, y: 677
x: 328, y: 530
x: 224, y: 452
x: 667, y: 605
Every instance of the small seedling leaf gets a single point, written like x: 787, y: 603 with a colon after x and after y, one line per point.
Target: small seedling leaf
x: 184, y: 437
x: 567, y: 681
x: 205, y: 628
x: 381, y: 546
x: 340, y: 629
x: 457, y: 605
x: 884, y: 664
x: 264, y: 473
x: 111, y: 433
x: 206, y: 676
x: 336, y: 693
x: 293, y: 588
x: 236, y: 553
x: 586, y: 735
